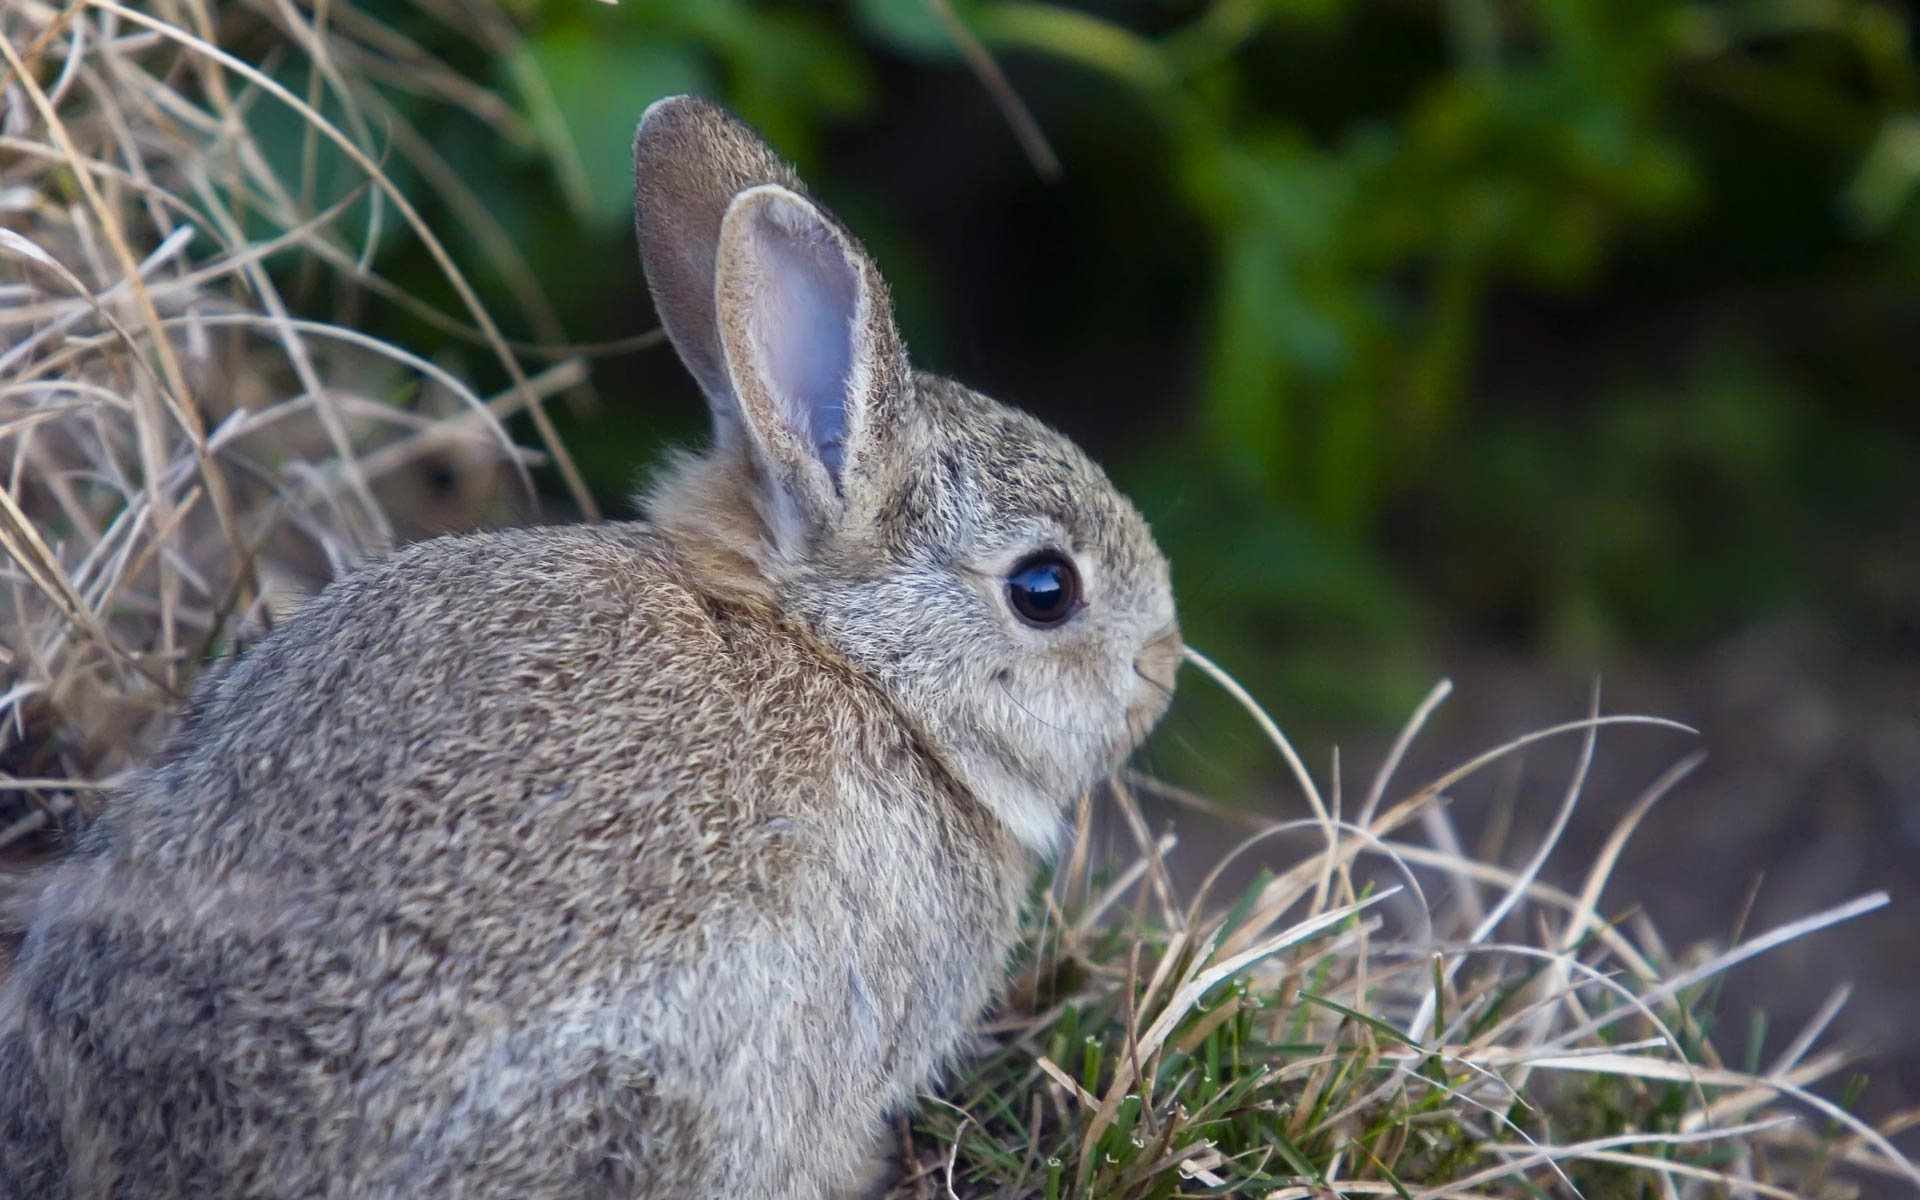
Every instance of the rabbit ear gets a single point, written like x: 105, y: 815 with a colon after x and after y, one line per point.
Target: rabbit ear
x: 813, y: 356
x: 780, y: 316
x: 690, y: 159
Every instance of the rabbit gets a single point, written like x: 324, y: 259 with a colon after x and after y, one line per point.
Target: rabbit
x: 668, y: 858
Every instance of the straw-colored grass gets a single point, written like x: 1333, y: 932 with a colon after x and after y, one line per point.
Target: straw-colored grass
x: 1385, y: 1016
x: 195, y: 433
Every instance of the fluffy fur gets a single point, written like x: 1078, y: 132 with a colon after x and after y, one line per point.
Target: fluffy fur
x: 651, y: 860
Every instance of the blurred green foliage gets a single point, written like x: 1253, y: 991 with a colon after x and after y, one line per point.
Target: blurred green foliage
x: 1583, y: 322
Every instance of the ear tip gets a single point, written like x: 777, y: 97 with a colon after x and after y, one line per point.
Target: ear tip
x: 669, y: 112
x: 666, y: 107
x: 690, y: 141
x: 666, y: 103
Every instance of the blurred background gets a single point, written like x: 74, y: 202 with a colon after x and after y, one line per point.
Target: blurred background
x: 1519, y: 342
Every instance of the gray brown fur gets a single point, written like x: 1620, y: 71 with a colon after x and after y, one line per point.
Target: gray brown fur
x: 643, y: 860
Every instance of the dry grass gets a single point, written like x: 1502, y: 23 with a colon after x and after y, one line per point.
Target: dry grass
x: 1385, y: 1016
x: 186, y: 447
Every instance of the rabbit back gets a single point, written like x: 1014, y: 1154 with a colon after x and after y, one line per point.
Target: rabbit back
x: 517, y: 865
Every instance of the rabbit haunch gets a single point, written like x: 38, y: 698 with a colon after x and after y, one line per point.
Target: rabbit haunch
x: 658, y: 859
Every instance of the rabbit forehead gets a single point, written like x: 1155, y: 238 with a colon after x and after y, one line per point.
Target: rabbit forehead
x: 986, y: 480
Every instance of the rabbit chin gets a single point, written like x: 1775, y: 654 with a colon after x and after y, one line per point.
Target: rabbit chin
x: 1034, y: 812
x: 1030, y: 780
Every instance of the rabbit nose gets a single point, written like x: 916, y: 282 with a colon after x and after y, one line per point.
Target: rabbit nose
x: 1160, y: 658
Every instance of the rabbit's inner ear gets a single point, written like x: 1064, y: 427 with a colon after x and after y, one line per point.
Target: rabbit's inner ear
x: 792, y: 304
x: 800, y: 329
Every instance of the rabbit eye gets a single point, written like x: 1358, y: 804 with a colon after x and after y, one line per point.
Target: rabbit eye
x: 1044, y: 589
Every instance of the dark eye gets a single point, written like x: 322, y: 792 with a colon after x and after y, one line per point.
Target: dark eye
x: 1044, y: 589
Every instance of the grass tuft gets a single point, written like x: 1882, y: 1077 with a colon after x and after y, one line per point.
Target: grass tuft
x: 186, y: 449
x: 1338, y: 1028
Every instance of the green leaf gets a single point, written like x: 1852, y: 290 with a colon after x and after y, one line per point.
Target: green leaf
x: 1889, y: 175
x: 584, y: 93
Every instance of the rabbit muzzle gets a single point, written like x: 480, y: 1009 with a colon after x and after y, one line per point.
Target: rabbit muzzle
x: 1155, y: 665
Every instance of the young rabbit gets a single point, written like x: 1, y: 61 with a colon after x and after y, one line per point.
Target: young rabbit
x: 664, y: 859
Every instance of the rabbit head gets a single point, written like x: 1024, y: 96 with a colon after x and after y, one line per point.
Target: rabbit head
x: 966, y: 556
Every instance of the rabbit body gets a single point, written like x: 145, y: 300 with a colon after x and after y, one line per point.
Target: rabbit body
x: 558, y: 925
x: 648, y: 860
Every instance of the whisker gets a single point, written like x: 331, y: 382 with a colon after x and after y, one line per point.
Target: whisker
x: 1036, y: 716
